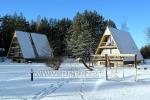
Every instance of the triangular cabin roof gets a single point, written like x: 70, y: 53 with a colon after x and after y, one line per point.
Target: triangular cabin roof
x: 31, y: 45
x: 42, y: 45
x: 123, y: 40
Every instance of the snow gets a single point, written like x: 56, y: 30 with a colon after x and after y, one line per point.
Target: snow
x: 15, y: 83
x: 25, y: 44
x: 42, y: 45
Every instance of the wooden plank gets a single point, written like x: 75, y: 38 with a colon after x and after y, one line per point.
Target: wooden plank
x: 109, y: 60
x: 115, y: 55
x: 14, y: 57
x: 107, y: 47
x: 106, y: 64
x: 122, y: 55
x: 115, y: 60
x: 98, y: 59
x: 16, y: 47
x: 98, y: 55
x: 15, y: 53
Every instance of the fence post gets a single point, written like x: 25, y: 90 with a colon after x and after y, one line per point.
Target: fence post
x: 106, y: 64
x: 31, y: 74
x: 135, y: 65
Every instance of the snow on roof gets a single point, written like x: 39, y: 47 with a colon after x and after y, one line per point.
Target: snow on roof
x: 25, y: 44
x: 40, y: 41
x: 42, y: 45
x: 125, y: 43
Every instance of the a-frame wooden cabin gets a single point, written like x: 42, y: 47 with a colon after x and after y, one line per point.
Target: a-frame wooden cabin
x: 27, y: 46
x: 119, y: 45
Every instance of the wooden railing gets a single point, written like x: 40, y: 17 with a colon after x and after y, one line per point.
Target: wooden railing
x: 104, y: 44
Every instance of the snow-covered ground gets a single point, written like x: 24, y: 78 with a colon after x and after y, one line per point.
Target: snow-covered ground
x: 15, y: 83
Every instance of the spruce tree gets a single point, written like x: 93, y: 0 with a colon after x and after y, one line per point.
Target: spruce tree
x: 86, y: 31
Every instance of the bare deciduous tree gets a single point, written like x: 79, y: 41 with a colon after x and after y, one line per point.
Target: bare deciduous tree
x: 51, y: 60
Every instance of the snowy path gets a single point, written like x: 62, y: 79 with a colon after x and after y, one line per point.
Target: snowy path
x: 51, y: 89
x: 102, y: 90
x: 78, y: 91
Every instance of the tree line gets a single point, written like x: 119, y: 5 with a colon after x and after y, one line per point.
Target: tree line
x: 67, y: 37
x: 145, y: 50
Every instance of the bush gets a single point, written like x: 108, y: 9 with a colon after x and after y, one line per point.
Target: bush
x: 54, y: 62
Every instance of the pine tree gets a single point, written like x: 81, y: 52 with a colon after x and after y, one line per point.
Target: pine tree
x: 43, y: 26
x: 86, y: 31
x: 33, y: 26
x: 145, y: 51
x: 57, y: 35
x: 11, y: 23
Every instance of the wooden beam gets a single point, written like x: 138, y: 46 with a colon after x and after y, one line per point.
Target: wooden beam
x: 109, y: 60
x: 116, y: 55
x: 14, y: 57
x: 98, y: 59
x: 13, y: 53
x: 98, y: 55
x: 15, y: 47
x: 135, y: 61
x: 135, y: 64
x: 122, y: 55
x: 106, y: 65
x: 107, y: 47
x: 115, y: 60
